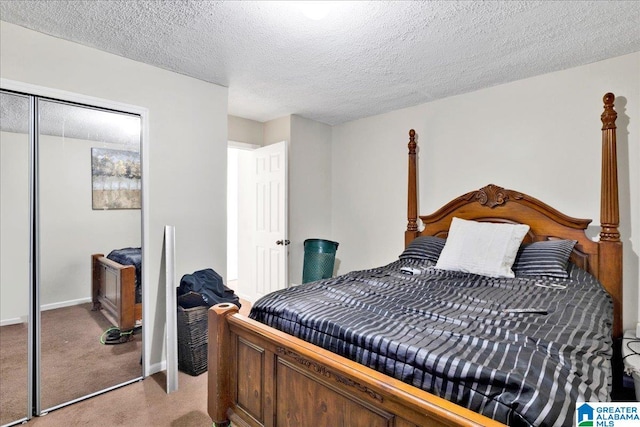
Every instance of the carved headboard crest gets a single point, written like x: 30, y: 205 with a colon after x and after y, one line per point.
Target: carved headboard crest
x: 493, y: 195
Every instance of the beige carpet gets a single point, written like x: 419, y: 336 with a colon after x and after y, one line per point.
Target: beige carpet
x: 74, y: 362
x: 13, y: 372
x: 144, y: 403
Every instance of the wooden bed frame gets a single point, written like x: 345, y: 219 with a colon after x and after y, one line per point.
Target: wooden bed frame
x: 113, y: 289
x: 259, y: 376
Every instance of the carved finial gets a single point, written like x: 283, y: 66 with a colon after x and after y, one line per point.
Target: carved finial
x: 412, y: 141
x: 608, y: 98
x: 609, y: 115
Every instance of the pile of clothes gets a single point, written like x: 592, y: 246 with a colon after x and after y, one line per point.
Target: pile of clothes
x: 204, y: 288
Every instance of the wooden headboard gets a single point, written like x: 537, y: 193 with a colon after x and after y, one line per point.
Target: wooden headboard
x: 492, y: 203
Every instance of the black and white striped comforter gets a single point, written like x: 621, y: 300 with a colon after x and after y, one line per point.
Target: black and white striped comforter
x: 451, y: 334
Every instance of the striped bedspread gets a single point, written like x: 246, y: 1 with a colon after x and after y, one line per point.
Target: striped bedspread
x: 522, y: 351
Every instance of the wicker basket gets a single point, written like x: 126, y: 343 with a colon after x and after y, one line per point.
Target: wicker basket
x: 192, y: 340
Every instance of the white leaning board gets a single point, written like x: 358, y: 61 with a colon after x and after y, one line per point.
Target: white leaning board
x: 171, y: 301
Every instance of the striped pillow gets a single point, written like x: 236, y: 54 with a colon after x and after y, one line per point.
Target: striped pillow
x: 546, y: 258
x: 424, y: 247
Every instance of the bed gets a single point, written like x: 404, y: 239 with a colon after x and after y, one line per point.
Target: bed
x: 262, y: 376
x: 116, y: 286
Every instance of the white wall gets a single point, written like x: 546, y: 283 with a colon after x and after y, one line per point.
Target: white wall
x: 245, y: 130
x: 277, y: 130
x: 70, y: 230
x: 14, y: 226
x: 232, y: 213
x: 309, y: 189
x: 187, y: 147
x: 540, y: 136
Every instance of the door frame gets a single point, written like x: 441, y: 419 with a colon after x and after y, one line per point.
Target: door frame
x: 244, y: 146
x: 147, y: 326
x: 251, y: 147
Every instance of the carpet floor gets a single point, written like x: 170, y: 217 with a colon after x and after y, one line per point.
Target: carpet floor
x: 73, y: 361
x: 143, y: 403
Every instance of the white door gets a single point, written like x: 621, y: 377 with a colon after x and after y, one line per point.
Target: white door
x: 268, y: 223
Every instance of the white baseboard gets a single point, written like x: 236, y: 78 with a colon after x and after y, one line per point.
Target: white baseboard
x: 13, y: 321
x: 22, y: 319
x: 157, y: 367
x: 63, y: 304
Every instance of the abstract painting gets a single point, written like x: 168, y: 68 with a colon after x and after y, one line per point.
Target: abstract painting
x: 116, y: 179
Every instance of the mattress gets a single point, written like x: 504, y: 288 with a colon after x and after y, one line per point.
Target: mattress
x: 522, y: 351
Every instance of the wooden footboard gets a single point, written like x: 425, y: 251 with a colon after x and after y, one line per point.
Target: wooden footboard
x: 259, y: 376
x: 113, y: 289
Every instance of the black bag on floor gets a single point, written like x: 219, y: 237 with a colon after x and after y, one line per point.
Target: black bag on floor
x: 208, y: 284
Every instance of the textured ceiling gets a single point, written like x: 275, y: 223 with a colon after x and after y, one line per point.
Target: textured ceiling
x: 364, y: 58
x: 70, y: 121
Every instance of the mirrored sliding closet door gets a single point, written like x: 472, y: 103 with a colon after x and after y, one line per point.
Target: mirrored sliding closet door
x: 71, y: 253
x: 14, y: 257
x: 89, y: 237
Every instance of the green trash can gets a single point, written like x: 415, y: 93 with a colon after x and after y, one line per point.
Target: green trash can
x: 319, y: 258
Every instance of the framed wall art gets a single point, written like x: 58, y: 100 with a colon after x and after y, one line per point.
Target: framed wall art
x: 115, y: 179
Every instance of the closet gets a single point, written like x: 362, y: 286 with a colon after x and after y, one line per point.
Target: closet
x: 70, y: 187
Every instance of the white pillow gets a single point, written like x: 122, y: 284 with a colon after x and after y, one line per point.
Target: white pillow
x: 483, y: 248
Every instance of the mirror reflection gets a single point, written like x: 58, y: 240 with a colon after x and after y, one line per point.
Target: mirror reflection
x: 14, y: 256
x: 90, y: 228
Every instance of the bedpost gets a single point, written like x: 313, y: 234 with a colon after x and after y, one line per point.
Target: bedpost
x: 218, y: 362
x: 412, y: 196
x: 610, y: 258
x: 95, y: 281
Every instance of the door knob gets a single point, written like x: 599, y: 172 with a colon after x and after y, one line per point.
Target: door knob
x: 282, y: 242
